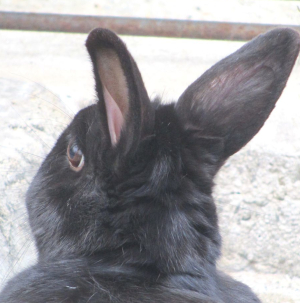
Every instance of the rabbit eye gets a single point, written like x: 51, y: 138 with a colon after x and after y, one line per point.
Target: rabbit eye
x: 75, y: 156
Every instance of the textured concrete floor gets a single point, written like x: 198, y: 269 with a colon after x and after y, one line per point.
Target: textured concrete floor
x: 59, y: 63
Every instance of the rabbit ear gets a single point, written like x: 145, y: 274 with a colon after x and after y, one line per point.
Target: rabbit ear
x: 123, y: 100
x: 233, y: 99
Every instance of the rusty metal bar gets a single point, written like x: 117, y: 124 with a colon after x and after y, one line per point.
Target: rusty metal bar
x: 135, y: 26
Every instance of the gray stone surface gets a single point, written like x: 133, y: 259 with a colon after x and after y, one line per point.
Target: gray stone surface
x: 30, y: 124
x: 45, y: 78
x: 258, y: 200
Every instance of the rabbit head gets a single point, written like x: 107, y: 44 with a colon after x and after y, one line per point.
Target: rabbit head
x: 130, y: 180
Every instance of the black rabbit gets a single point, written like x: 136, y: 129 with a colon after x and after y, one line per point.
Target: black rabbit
x: 121, y: 209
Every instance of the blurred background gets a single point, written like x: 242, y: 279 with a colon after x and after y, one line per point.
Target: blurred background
x: 46, y: 77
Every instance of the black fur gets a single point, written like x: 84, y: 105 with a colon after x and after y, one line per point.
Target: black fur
x: 138, y: 222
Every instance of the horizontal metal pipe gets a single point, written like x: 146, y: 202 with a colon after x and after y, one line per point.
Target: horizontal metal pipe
x: 135, y: 26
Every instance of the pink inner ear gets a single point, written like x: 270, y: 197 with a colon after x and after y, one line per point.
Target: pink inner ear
x: 114, y: 117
